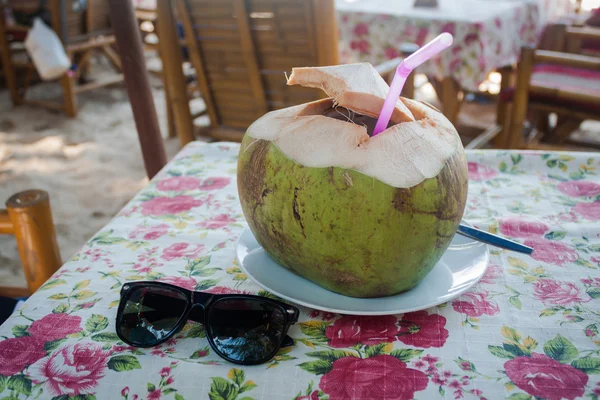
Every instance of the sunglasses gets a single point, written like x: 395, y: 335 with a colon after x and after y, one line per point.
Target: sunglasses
x: 243, y: 329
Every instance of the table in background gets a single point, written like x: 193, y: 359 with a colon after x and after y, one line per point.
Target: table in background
x: 487, y: 35
x: 531, y: 325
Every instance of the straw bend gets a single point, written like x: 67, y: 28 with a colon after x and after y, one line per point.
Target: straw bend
x: 432, y: 48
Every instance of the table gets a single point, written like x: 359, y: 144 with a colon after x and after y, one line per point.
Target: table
x: 531, y: 326
x: 487, y: 35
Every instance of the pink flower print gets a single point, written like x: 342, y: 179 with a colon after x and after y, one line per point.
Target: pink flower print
x: 361, y: 29
x: 568, y: 217
x: 475, y: 305
x: 214, y: 183
x: 17, y: 353
x: 55, y: 326
x: 579, y: 188
x: 362, y: 46
x: 544, y: 377
x: 450, y: 27
x: 552, y: 252
x: 391, y: 53
x: 589, y: 211
x: 72, y: 369
x: 181, y: 281
x: 178, y: 183
x: 158, y: 206
x: 217, y: 222
x: 154, y: 394
x: 557, y: 293
x: 493, y: 272
x: 480, y: 172
x: 522, y: 228
x: 422, y: 35
x: 179, y: 250
x: 149, y: 232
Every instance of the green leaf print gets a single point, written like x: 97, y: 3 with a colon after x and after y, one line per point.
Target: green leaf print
x: 123, y: 363
x: 20, y: 384
x: 405, y: 354
x: 589, y: 365
x: 330, y: 355
x: 222, y: 389
x: 318, y: 367
x: 560, y: 349
x: 96, y: 323
x: 499, y: 351
x: 555, y: 235
x: 20, y: 330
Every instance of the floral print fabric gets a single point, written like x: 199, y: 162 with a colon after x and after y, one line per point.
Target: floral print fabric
x: 530, y: 329
x: 488, y: 34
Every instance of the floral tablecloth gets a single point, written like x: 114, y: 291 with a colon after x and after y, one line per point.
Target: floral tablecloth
x: 529, y: 329
x: 487, y: 34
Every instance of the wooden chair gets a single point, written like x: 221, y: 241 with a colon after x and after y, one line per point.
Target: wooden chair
x: 28, y: 217
x: 551, y: 82
x: 84, y: 33
x: 241, y: 52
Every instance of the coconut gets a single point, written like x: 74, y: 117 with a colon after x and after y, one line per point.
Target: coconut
x: 359, y: 215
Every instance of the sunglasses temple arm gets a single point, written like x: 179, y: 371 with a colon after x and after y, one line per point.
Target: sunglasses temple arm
x: 287, y: 341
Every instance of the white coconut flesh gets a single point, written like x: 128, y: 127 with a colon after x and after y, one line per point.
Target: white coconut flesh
x: 414, y: 148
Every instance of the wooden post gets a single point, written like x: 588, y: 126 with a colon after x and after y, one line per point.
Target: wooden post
x: 9, y: 70
x: 31, y: 218
x: 502, y: 108
x: 450, y: 101
x: 326, y: 32
x: 520, y: 100
x: 172, y: 64
x: 69, y: 97
x: 129, y: 44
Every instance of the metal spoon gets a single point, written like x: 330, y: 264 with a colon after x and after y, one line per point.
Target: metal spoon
x: 491, y: 239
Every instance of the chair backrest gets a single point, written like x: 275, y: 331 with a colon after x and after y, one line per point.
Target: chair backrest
x: 243, y: 48
x: 79, y: 19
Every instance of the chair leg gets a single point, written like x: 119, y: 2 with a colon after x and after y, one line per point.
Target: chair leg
x: 31, y: 218
x: 518, y: 113
x: 450, y: 101
x: 70, y: 99
x: 542, y: 122
x: 7, y: 65
x: 503, y: 109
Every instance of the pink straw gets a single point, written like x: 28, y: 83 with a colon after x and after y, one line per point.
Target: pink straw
x: 411, y: 62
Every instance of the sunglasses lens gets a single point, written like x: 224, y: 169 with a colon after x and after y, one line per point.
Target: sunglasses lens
x: 151, y: 314
x: 245, y: 329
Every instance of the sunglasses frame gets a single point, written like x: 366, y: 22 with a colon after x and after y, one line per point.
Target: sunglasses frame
x: 205, y: 301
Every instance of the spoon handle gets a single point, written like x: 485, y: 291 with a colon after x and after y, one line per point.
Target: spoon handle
x: 491, y: 239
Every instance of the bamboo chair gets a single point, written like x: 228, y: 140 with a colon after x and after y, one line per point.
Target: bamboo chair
x: 28, y: 217
x: 551, y: 82
x: 84, y: 33
x: 241, y: 52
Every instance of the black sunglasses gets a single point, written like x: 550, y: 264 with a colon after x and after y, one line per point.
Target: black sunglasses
x: 243, y: 329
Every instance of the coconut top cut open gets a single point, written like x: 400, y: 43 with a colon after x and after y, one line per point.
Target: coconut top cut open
x: 334, y: 132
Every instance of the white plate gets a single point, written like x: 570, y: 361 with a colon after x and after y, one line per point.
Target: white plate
x: 461, y: 266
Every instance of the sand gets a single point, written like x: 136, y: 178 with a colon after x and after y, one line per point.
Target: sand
x: 91, y: 166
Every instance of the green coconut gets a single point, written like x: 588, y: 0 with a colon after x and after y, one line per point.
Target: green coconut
x: 358, y: 215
